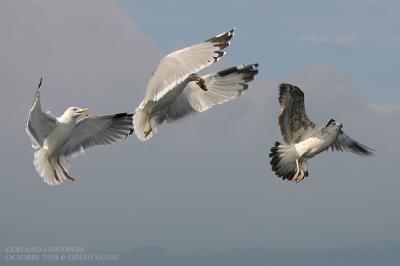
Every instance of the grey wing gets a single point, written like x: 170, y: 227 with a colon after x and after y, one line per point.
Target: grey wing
x: 293, y: 121
x: 222, y: 86
x: 176, y: 66
x: 345, y: 143
x: 39, y: 124
x: 97, y: 130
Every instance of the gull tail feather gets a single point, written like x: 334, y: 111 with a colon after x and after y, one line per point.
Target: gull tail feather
x: 144, y: 125
x: 283, y: 161
x: 45, y: 168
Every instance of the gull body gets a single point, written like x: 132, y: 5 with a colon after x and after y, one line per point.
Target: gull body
x: 65, y: 125
x: 154, y: 107
x: 302, y: 139
x: 318, y: 143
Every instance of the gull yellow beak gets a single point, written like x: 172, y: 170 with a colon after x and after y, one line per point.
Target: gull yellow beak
x: 84, y: 111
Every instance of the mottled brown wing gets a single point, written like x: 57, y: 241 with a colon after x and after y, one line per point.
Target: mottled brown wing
x: 293, y: 121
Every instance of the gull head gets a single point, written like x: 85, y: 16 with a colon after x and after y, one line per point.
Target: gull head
x: 199, y: 81
x: 332, y: 124
x: 76, y: 112
x: 333, y: 127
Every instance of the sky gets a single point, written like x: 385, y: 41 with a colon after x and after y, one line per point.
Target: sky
x: 204, y: 181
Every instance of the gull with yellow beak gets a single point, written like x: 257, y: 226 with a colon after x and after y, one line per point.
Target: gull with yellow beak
x: 55, y: 139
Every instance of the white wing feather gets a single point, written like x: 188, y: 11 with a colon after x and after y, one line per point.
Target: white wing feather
x: 221, y: 87
x: 176, y: 66
x: 97, y: 130
x: 39, y: 124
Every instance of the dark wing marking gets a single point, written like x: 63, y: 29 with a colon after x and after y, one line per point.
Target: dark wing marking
x: 345, y: 143
x: 293, y: 120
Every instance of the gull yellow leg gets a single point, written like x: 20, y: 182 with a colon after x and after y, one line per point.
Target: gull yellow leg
x: 65, y: 171
x: 148, y: 131
x: 54, y: 170
x: 297, y: 171
x: 300, y: 176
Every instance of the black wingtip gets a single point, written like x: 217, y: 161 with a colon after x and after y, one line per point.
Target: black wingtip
x: 130, y: 133
x: 122, y: 115
x: 363, y: 150
x: 249, y: 70
x: 40, y: 83
x: 223, y: 38
x: 127, y: 117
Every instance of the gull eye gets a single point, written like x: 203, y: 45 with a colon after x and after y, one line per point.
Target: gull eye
x: 74, y: 109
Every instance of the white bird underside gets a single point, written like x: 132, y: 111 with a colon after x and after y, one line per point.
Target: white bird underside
x: 302, y: 139
x: 222, y: 87
x: 171, y: 95
x: 57, y: 139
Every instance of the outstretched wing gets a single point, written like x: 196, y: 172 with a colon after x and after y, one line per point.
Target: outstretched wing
x: 39, y: 124
x: 176, y: 66
x: 345, y: 143
x: 97, y: 130
x: 222, y: 86
x: 293, y: 121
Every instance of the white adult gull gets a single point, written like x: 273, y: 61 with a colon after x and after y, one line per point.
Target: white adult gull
x: 303, y: 140
x: 55, y: 139
x: 175, y: 90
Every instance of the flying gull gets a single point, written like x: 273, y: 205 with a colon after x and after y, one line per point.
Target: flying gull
x: 55, y: 139
x: 175, y: 90
x: 303, y: 140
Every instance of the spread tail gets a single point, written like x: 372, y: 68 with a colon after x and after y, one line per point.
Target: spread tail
x: 283, y: 161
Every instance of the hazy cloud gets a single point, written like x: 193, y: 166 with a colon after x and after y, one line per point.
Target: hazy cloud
x: 392, y: 39
x: 338, y: 39
x: 387, y: 108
